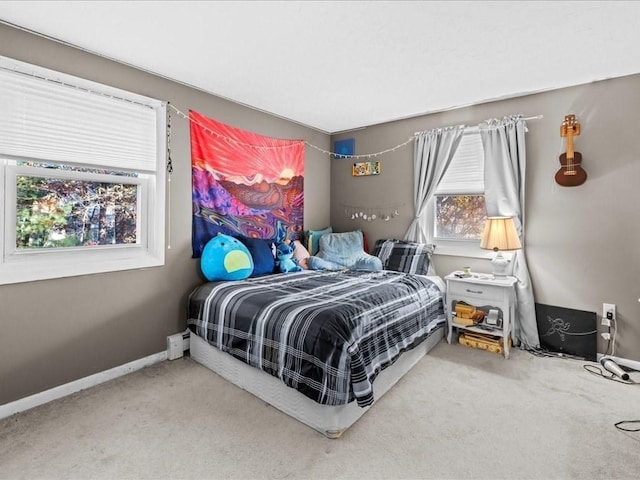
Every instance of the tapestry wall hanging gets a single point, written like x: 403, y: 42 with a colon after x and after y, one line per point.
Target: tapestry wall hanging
x: 244, y: 183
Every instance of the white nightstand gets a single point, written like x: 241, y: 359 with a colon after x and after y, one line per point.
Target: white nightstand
x: 486, y: 292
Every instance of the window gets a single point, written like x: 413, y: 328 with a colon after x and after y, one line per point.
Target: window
x: 82, y: 175
x: 457, y: 212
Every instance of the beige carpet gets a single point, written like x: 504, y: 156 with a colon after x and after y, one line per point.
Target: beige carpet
x: 460, y: 413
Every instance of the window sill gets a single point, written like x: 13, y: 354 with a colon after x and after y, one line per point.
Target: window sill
x: 462, y: 250
x: 28, y: 267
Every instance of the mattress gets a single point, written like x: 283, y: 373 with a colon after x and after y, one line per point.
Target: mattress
x: 331, y: 421
x: 321, y: 346
x: 327, y: 334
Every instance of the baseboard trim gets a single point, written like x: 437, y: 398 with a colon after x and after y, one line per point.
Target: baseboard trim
x: 625, y: 362
x: 60, y: 391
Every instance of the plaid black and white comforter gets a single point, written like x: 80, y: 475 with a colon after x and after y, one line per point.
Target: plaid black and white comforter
x: 325, y: 333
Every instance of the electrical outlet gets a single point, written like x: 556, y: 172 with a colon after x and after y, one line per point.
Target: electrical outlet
x: 608, y: 312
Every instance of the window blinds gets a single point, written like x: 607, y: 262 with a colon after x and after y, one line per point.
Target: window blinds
x: 49, y: 116
x: 465, y: 174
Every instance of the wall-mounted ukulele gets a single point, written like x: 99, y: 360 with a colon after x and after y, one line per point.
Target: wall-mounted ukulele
x: 571, y: 174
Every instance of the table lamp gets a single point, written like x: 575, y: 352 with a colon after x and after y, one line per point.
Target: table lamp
x: 500, y: 235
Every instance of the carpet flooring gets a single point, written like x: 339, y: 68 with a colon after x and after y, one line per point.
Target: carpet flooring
x: 460, y: 413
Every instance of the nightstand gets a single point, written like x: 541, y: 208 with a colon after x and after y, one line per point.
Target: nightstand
x: 481, y: 292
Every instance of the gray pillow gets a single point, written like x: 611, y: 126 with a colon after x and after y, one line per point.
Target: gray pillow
x: 404, y: 256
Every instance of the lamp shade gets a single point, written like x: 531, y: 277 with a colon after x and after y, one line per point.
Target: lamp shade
x: 500, y: 234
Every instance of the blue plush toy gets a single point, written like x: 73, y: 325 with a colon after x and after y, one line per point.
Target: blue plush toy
x: 225, y: 258
x: 284, y: 258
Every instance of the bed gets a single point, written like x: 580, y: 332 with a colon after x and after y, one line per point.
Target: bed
x: 321, y: 346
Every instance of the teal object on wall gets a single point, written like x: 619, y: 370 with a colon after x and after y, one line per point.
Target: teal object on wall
x: 345, y: 147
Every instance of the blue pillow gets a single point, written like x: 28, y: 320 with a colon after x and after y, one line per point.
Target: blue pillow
x: 261, y: 250
x: 343, y: 250
x: 313, y: 239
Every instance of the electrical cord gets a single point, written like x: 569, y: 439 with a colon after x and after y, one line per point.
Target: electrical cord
x: 611, y: 342
x: 617, y: 425
x: 595, y: 370
x: 543, y: 352
x: 592, y: 369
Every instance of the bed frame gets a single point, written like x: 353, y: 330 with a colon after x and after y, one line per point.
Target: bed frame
x: 331, y: 421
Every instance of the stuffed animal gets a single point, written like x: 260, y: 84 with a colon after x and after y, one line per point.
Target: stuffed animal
x: 225, y: 258
x: 284, y: 258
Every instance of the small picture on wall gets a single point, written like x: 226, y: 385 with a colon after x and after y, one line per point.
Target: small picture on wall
x: 366, y: 168
x: 344, y: 148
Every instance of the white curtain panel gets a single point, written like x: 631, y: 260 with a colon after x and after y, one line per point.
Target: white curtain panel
x: 504, y: 180
x: 433, y: 152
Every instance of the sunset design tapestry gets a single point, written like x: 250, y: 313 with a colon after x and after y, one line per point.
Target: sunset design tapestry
x: 244, y: 183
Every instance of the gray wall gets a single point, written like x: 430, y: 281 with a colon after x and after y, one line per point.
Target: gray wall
x: 56, y: 331
x: 582, y: 243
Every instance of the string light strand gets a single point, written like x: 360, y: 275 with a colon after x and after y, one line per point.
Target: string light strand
x: 327, y: 152
x: 293, y: 143
x: 371, y: 213
x: 169, y: 173
x: 365, y: 155
x: 169, y: 161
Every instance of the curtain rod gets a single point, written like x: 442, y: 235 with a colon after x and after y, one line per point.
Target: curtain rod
x: 475, y: 128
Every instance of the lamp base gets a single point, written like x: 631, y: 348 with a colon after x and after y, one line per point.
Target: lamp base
x: 500, y: 264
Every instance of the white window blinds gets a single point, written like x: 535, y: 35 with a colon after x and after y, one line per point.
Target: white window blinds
x: 465, y: 174
x: 50, y: 116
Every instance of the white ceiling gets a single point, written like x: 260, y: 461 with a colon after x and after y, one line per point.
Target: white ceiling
x: 338, y: 66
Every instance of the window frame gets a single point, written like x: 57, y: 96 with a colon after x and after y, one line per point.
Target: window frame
x: 18, y: 265
x: 14, y: 171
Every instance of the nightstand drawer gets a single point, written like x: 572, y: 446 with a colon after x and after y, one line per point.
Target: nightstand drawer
x: 475, y: 291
